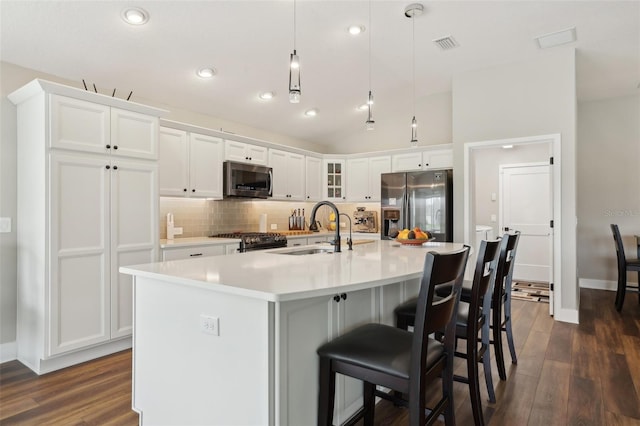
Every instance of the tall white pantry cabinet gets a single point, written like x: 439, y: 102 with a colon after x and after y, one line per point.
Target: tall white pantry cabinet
x: 87, y: 204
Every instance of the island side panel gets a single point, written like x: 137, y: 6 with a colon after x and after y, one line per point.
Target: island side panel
x: 183, y: 375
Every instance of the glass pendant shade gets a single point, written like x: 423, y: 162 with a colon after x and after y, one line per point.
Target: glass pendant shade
x: 294, y: 79
x: 414, y: 132
x: 370, y: 122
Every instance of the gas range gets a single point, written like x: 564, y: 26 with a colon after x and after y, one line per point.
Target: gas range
x: 251, y: 241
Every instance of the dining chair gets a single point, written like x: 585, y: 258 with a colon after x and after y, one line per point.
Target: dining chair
x: 397, y: 359
x: 501, y: 303
x: 473, y: 318
x: 624, y: 265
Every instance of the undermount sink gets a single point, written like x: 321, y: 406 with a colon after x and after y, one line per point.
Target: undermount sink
x: 303, y: 251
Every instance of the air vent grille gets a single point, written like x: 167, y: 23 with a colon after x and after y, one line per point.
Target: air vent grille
x: 446, y: 42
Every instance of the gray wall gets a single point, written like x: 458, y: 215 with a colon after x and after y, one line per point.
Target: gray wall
x: 518, y: 100
x: 608, y: 183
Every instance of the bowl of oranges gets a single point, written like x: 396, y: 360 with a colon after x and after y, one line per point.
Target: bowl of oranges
x: 414, y: 237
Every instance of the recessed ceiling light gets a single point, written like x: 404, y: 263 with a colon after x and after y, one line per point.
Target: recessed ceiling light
x: 363, y: 107
x: 507, y: 146
x: 311, y: 112
x: 266, y: 96
x: 356, y: 29
x: 135, y: 16
x: 206, y: 72
x: 557, y: 38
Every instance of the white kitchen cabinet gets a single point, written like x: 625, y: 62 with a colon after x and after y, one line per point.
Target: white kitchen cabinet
x: 177, y: 253
x: 85, y: 210
x: 422, y: 160
x: 304, y: 325
x: 86, y: 126
x: 313, y: 178
x: 288, y: 175
x: 363, y: 174
x: 245, y: 153
x: 333, y: 179
x: 190, y: 164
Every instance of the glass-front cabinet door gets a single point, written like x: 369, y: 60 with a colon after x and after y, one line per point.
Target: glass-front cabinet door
x: 334, y: 180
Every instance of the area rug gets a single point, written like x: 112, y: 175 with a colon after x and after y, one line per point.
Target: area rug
x: 530, y: 291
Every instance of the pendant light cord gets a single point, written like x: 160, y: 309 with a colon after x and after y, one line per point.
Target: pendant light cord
x: 294, y: 25
x: 369, y: 45
x: 413, y: 57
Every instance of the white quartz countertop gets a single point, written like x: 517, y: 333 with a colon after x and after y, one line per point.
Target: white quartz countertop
x: 276, y: 277
x: 196, y: 241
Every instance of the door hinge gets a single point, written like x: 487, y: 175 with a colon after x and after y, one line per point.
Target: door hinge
x: 550, y: 286
x: 551, y: 223
x: 551, y: 160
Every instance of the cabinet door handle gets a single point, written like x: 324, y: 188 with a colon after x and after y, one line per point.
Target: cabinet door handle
x: 185, y: 189
x: 115, y: 147
x: 195, y: 254
x: 115, y: 167
x: 344, y: 296
x: 336, y: 298
x: 193, y: 190
x: 108, y: 167
x: 108, y: 146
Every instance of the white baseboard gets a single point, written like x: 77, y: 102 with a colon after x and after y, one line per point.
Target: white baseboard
x: 598, y: 284
x: 8, y: 351
x: 567, y: 315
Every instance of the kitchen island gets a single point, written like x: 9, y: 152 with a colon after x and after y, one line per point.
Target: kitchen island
x: 231, y: 340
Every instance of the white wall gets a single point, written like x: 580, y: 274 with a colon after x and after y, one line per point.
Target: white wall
x: 518, y: 100
x: 608, y: 183
x: 393, y: 130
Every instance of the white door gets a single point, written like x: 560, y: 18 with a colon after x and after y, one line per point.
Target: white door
x: 134, y: 134
x: 377, y: 166
x: 295, y: 165
x: 358, y: 184
x: 173, y: 162
x: 525, y: 206
x: 313, y: 181
x: 205, y: 166
x: 134, y: 228
x: 79, y: 297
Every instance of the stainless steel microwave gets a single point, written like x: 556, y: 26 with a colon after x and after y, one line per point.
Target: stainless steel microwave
x: 247, y: 180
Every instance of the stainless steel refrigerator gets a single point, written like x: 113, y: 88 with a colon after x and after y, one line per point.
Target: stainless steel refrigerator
x: 422, y: 199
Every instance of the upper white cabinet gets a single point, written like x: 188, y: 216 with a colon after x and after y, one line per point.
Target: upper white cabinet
x: 86, y: 208
x: 423, y: 160
x: 85, y: 126
x: 333, y: 179
x: 363, y: 174
x: 288, y: 175
x: 313, y: 178
x: 190, y: 164
x: 245, y: 153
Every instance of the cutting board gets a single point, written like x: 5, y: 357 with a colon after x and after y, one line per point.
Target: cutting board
x: 356, y: 242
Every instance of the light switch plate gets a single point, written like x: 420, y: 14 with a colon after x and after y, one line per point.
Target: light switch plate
x: 5, y: 224
x: 494, y: 218
x: 274, y: 226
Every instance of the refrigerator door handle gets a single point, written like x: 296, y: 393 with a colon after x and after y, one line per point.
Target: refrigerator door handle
x: 407, y: 208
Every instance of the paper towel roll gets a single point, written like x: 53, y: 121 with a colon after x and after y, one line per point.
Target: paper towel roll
x: 263, y: 222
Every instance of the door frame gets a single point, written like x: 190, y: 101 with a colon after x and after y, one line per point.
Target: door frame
x: 469, y: 219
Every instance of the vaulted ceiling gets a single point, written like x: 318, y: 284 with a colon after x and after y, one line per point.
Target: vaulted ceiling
x: 249, y: 42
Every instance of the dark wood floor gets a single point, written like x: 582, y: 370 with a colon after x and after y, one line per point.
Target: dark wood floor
x: 587, y: 374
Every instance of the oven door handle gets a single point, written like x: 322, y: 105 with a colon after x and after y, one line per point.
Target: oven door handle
x: 270, y: 182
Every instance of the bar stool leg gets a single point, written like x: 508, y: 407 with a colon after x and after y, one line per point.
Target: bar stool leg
x: 326, y: 394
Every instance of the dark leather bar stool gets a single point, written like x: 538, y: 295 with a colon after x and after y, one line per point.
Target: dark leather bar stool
x: 624, y: 265
x: 501, y: 303
x: 473, y: 318
x: 397, y: 359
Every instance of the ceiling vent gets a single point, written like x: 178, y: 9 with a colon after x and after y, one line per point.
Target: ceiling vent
x: 556, y: 39
x: 446, y: 42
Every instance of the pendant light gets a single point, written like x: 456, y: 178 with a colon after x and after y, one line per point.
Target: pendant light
x: 294, y: 67
x: 412, y: 11
x: 370, y: 123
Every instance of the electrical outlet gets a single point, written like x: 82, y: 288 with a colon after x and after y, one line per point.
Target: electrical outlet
x: 209, y: 324
x: 274, y: 226
x: 5, y: 224
x: 343, y: 224
x: 494, y: 218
